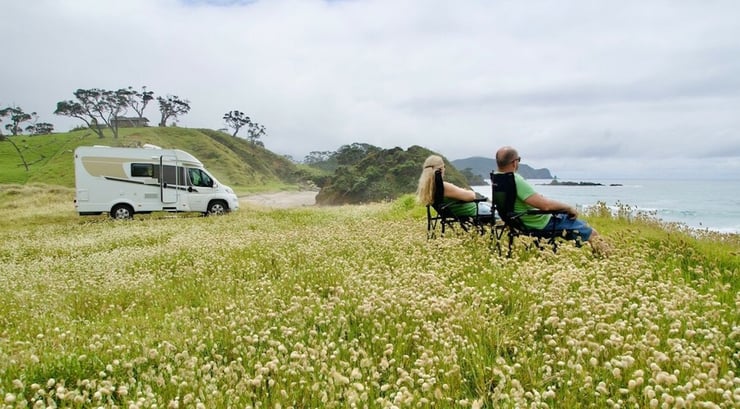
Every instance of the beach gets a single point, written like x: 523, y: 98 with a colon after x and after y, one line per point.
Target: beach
x: 281, y: 200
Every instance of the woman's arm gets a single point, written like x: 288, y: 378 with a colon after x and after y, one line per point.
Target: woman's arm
x: 455, y: 192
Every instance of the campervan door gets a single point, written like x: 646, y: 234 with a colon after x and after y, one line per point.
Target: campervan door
x: 172, y: 174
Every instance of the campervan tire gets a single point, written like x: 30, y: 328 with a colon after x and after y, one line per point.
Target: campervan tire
x: 217, y: 207
x: 122, y: 212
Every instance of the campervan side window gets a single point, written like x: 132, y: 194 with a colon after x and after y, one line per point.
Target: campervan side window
x: 146, y: 170
x: 174, y: 175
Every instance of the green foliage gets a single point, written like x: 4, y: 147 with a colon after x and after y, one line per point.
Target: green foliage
x: 473, y: 179
x: 372, y: 174
x: 317, y: 175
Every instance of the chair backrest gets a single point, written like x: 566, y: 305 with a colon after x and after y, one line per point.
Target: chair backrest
x: 503, y: 195
x: 439, y: 192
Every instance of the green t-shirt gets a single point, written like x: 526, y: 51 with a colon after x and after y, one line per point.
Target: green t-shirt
x: 523, y: 191
x: 459, y: 208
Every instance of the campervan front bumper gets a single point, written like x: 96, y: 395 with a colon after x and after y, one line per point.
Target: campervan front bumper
x: 233, y: 202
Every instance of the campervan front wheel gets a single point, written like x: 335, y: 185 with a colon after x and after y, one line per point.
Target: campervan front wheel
x: 122, y: 212
x: 217, y: 207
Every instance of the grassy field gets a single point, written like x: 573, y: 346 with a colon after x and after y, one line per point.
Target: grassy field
x: 352, y: 307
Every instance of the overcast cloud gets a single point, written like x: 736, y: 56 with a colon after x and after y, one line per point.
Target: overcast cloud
x: 588, y: 89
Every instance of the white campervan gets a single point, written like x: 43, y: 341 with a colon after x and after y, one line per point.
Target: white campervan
x: 124, y: 181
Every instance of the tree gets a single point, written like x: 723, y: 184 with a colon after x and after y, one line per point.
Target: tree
x: 77, y: 110
x: 236, y: 120
x: 172, y: 107
x: 315, y: 157
x: 93, y: 104
x: 138, y: 100
x: 354, y: 153
x: 254, y: 132
x: 12, y: 126
x: 17, y: 117
x: 41, y: 128
x: 113, y: 105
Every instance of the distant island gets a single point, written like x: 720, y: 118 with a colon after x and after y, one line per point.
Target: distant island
x: 556, y: 182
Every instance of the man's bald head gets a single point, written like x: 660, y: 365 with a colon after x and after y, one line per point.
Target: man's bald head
x: 505, y: 156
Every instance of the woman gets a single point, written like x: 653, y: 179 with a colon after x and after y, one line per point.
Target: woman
x: 462, y: 199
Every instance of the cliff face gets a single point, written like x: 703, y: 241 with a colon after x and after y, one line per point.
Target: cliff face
x: 483, y: 166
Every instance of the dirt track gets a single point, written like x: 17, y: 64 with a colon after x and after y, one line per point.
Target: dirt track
x: 281, y: 199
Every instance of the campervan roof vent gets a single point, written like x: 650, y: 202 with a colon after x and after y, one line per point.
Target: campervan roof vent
x: 150, y: 146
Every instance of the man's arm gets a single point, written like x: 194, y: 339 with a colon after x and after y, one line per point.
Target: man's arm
x: 543, y: 203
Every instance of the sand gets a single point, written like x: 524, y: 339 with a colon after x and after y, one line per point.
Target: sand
x: 281, y: 200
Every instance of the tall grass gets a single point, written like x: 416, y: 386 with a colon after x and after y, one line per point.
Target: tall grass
x: 353, y: 307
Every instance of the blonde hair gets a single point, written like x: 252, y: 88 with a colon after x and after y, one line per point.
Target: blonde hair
x: 425, y: 190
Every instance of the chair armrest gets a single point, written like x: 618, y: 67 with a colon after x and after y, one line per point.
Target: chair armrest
x: 516, y: 216
x: 536, y: 211
x: 444, y: 206
x: 480, y: 198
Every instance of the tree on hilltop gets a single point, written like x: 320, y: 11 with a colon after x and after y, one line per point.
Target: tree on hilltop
x: 315, y: 157
x: 138, y: 100
x: 355, y: 152
x: 41, y: 128
x: 172, y: 107
x: 237, y: 120
x: 95, y: 106
x: 17, y: 117
x: 16, y: 114
x: 254, y: 132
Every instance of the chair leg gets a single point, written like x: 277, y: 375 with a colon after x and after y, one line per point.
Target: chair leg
x: 537, y: 243
x: 431, y: 228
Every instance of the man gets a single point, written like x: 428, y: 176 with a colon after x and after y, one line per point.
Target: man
x: 507, y: 160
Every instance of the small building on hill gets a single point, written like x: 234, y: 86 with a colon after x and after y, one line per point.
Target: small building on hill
x: 130, y: 122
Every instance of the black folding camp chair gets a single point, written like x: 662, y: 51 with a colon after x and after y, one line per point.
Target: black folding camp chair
x: 503, y: 192
x: 439, y: 213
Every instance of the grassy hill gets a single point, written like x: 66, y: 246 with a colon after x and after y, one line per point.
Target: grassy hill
x: 381, y: 175
x: 234, y: 161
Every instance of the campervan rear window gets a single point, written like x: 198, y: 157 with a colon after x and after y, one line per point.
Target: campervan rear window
x: 147, y: 170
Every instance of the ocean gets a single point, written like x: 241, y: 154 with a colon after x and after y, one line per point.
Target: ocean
x: 699, y: 204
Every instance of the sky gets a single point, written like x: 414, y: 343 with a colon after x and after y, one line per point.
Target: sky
x: 588, y: 89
